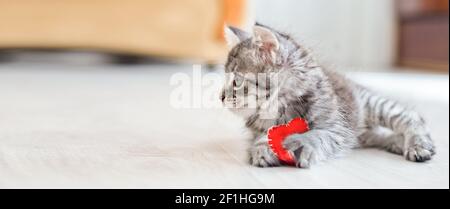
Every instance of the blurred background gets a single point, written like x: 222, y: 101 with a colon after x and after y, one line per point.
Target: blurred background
x: 370, y: 34
x: 352, y: 34
x: 85, y: 85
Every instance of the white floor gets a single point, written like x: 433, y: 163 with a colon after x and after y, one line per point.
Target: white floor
x: 104, y: 126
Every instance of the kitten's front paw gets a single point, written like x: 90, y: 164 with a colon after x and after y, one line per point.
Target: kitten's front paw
x: 304, y: 153
x: 421, y: 150
x: 262, y: 156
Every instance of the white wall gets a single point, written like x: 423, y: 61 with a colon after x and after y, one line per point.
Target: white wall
x: 357, y: 34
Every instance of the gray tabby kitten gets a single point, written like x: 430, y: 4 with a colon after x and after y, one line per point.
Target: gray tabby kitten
x: 342, y: 115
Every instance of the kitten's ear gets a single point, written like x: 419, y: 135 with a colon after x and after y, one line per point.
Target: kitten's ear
x: 234, y: 36
x: 266, y: 38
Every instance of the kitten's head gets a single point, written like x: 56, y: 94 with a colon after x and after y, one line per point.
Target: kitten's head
x: 255, y: 51
x: 252, y: 68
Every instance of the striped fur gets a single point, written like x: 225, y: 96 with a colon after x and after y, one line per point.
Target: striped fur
x: 409, y: 136
x: 342, y: 114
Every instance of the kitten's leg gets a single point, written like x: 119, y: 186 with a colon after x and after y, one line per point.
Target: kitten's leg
x: 417, y: 144
x: 375, y: 138
x: 319, y: 145
x: 261, y: 154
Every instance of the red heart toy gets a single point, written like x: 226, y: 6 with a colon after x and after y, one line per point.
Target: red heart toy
x: 278, y: 134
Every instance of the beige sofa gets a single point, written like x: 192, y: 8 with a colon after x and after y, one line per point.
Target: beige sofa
x: 183, y: 29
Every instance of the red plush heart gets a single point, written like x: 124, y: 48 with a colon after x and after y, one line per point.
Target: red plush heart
x: 278, y: 134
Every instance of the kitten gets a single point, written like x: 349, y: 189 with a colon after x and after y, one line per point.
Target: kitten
x: 342, y: 114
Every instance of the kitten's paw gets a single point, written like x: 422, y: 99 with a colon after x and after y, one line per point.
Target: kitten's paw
x: 304, y: 156
x: 418, y: 154
x: 304, y: 153
x: 262, y: 156
x: 422, y: 150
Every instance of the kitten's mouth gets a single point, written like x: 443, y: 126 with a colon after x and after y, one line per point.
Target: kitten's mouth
x: 232, y: 104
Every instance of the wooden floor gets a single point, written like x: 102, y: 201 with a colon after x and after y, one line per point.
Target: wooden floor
x: 105, y: 126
